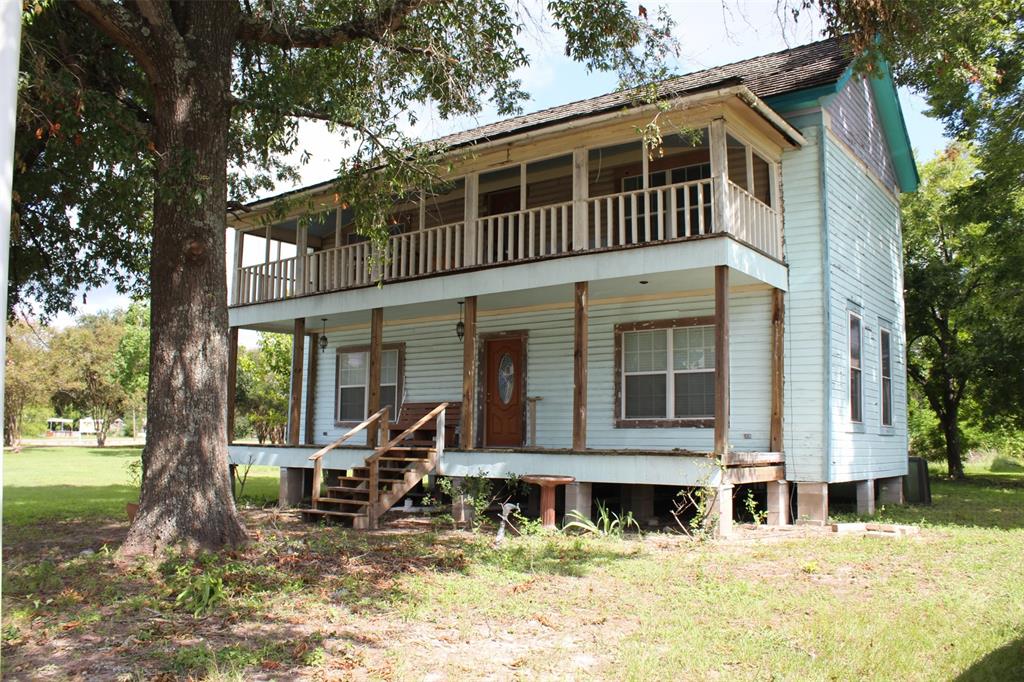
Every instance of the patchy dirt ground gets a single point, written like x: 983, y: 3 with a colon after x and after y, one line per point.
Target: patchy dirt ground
x: 412, y: 602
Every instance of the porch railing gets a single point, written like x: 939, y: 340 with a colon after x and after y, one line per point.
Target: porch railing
x: 657, y: 214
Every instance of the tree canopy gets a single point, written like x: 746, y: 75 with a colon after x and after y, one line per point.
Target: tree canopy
x: 189, y: 108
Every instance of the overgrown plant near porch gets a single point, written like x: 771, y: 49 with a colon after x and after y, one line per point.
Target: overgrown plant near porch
x: 479, y: 493
x: 608, y: 523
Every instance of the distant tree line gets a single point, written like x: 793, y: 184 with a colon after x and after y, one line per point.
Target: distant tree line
x: 99, y: 368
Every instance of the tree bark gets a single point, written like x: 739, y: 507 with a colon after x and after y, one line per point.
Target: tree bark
x: 186, y: 496
x: 949, y: 419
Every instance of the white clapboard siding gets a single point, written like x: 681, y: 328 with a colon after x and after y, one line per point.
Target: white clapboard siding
x: 805, y: 392
x: 433, y: 370
x: 865, y: 271
x: 853, y: 117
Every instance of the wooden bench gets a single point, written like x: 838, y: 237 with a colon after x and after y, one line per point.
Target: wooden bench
x: 410, y: 413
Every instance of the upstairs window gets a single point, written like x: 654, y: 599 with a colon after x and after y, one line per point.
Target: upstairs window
x: 666, y: 373
x: 856, y: 385
x: 353, y: 382
x: 885, y: 350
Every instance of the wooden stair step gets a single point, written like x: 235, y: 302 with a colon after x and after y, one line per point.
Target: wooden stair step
x: 341, y: 500
x: 341, y: 489
x: 330, y: 512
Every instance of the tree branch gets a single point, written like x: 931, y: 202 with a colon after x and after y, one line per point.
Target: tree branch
x: 124, y: 28
x: 387, y: 19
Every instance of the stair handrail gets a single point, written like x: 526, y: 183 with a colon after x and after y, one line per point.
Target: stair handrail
x: 373, y: 461
x: 380, y: 416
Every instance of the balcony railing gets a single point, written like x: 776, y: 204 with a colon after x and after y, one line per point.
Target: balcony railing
x: 648, y: 216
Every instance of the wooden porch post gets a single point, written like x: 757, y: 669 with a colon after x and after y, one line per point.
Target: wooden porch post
x: 579, y: 363
x: 314, y: 351
x: 719, y: 176
x: 580, y: 194
x: 236, y: 275
x: 301, y: 276
x: 376, y: 344
x: 232, y: 379
x: 467, y: 432
x: 721, y: 360
x: 471, y: 205
x: 778, y: 356
x: 295, y: 400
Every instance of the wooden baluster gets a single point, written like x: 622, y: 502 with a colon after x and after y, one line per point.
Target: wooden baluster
x: 633, y: 212
x: 460, y: 234
x: 597, y: 223
x: 530, y: 238
x: 448, y: 247
x: 542, y: 233
x: 521, y: 234
x: 673, y: 217
x: 700, y: 209
x: 565, y: 229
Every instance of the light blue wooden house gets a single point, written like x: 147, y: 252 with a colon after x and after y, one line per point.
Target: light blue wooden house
x: 726, y: 312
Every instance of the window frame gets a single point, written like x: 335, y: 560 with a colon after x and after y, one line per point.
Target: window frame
x: 885, y: 393
x: 859, y: 418
x: 399, y: 385
x: 620, y: 421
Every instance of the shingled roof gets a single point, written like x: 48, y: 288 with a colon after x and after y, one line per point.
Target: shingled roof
x: 778, y: 73
x: 768, y: 75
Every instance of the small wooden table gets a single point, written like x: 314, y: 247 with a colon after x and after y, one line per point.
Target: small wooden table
x: 547, y: 484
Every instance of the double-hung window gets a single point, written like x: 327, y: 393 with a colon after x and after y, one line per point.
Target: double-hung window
x: 666, y: 373
x: 856, y: 373
x: 353, y: 382
x: 885, y: 362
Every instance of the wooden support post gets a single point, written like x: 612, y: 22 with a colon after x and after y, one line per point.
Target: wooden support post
x: 295, y: 400
x: 236, y: 275
x: 376, y: 344
x: 467, y: 430
x: 778, y: 356
x: 232, y: 380
x: 579, y: 364
x: 314, y: 351
x: 721, y: 360
x: 301, y: 276
x: 580, y: 194
x: 471, y: 204
x: 719, y: 176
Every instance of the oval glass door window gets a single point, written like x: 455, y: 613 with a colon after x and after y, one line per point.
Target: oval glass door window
x: 506, y: 378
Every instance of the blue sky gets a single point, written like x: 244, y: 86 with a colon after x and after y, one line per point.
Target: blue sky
x: 710, y: 33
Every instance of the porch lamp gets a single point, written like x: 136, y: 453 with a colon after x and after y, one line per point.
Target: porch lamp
x: 323, y: 335
x: 460, y: 327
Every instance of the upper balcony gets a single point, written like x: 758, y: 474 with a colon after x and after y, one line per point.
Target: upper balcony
x: 715, y: 179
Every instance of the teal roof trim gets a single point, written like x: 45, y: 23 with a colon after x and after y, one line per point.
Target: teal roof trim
x: 895, y: 127
x: 889, y: 111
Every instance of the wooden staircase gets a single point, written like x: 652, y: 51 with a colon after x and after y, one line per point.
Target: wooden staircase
x: 361, y: 497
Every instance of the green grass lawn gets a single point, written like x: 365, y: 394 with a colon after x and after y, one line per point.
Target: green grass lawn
x: 413, y: 602
x: 63, y: 483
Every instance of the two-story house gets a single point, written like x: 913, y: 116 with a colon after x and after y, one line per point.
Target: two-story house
x: 727, y: 311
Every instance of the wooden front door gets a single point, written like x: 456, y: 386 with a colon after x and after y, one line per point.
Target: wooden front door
x: 503, y: 401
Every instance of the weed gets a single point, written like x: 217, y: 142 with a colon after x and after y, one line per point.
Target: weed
x: 608, y: 522
x: 199, y: 592
x: 750, y: 504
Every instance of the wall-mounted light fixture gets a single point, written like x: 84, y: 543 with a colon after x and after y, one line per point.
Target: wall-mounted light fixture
x: 323, y: 335
x: 460, y: 328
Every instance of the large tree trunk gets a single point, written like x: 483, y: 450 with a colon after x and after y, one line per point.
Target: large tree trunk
x: 949, y: 420
x: 186, y: 490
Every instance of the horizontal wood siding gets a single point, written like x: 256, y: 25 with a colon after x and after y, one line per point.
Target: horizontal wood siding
x: 854, y: 119
x: 433, y: 370
x: 865, y: 270
x: 805, y: 394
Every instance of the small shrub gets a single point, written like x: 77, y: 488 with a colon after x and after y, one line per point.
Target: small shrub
x: 198, y: 593
x: 750, y: 504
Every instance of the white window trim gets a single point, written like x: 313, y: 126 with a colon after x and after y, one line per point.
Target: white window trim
x: 882, y: 393
x: 851, y: 368
x: 670, y: 393
x: 366, y: 381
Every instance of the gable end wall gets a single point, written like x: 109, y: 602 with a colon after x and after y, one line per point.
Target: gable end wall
x: 865, y: 274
